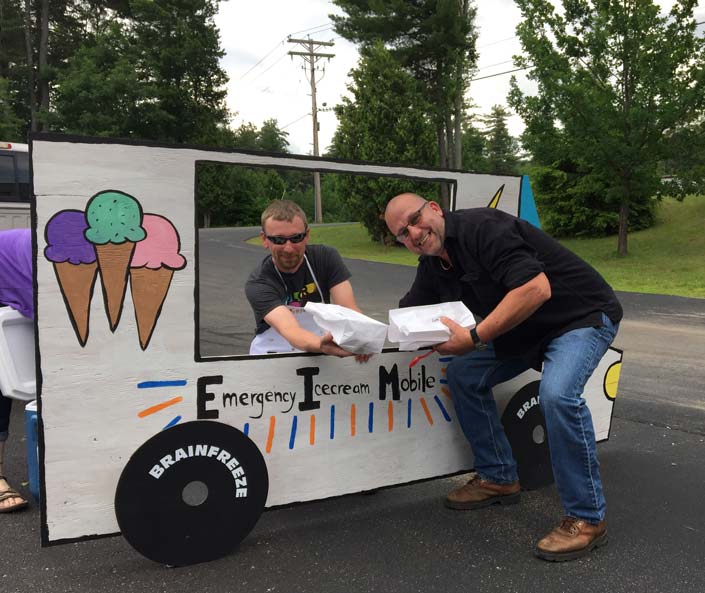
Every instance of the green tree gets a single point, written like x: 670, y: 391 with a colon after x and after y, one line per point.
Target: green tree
x: 684, y: 171
x: 474, y: 158
x: 271, y: 138
x: 12, y: 69
x: 434, y: 40
x: 235, y: 195
x: 501, y: 150
x: 385, y: 121
x: 246, y: 137
x: 161, y: 70
x: 37, y: 39
x: 10, y: 124
x: 100, y: 92
x: 618, y: 86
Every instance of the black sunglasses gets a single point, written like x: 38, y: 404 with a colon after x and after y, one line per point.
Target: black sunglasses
x: 279, y: 240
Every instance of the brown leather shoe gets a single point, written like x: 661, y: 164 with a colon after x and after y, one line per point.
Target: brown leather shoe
x: 572, y: 539
x: 479, y: 493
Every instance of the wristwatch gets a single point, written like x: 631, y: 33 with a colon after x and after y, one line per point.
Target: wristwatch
x: 477, y: 342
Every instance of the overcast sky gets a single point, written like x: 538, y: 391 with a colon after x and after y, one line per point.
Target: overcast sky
x: 265, y: 82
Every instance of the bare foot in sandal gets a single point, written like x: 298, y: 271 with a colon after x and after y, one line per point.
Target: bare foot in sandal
x: 10, y: 499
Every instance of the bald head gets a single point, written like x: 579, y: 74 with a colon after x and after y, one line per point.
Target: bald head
x: 417, y: 223
x: 401, y: 204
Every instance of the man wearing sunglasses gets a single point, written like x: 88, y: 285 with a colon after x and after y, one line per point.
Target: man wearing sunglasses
x: 293, y: 274
x: 541, y: 307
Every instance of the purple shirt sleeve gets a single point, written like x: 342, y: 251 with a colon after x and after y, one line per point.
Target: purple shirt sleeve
x: 16, y: 286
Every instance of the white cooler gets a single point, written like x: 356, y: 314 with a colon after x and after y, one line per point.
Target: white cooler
x: 18, y: 378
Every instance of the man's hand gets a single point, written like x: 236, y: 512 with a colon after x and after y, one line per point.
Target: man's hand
x: 459, y: 342
x: 328, y: 346
x: 363, y: 357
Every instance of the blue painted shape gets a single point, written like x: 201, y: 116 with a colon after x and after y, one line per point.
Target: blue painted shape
x: 446, y: 358
x: 292, y: 437
x: 443, y: 410
x: 153, y: 384
x: 408, y: 413
x: 332, y: 422
x: 444, y: 381
x: 246, y: 429
x: 370, y: 419
x: 527, y: 205
x: 174, y: 421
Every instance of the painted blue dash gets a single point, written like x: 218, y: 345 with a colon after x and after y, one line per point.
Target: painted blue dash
x: 332, y: 422
x: 153, y: 384
x: 446, y: 358
x: 246, y: 428
x: 370, y: 420
x: 174, y: 421
x: 444, y: 381
x: 292, y: 436
x: 408, y: 413
x: 443, y: 410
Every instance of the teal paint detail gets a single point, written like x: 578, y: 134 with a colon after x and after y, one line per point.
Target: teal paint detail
x: 527, y: 206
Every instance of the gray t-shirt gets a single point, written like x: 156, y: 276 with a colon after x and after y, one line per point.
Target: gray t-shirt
x: 266, y: 289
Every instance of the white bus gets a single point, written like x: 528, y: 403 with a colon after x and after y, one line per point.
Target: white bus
x: 14, y: 186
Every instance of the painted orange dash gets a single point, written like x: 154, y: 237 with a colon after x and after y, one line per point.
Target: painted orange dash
x: 445, y: 392
x: 426, y: 410
x: 352, y: 420
x: 270, y: 436
x: 443, y: 370
x: 390, y: 415
x: 160, y: 407
x: 312, y: 431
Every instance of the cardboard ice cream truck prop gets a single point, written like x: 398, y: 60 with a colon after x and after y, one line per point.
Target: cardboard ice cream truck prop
x: 140, y: 434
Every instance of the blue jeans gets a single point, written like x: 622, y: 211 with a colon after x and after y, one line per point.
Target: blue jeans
x: 568, y: 363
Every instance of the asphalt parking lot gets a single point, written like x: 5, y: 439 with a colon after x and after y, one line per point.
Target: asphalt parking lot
x: 403, y: 539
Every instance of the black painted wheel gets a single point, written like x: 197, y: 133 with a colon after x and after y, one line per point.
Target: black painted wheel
x: 525, y: 428
x: 191, y: 493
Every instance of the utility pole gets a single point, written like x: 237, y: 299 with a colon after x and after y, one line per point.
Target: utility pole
x: 310, y: 57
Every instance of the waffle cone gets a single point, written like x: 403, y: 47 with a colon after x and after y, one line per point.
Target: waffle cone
x: 149, y: 289
x: 76, y: 282
x: 113, y: 262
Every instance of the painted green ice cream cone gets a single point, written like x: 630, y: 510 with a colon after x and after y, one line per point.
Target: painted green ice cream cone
x: 114, y: 226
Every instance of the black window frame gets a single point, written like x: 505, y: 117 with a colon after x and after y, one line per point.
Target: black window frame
x: 21, y: 188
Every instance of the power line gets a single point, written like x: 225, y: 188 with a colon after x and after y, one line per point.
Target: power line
x: 496, y: 42
x: 270, y: 52
x: 500, y: 73
x: 291, y: 123
x: 516, y: 69
x: 268, y: 69
x: 327, y: 25
x: 493, y: 65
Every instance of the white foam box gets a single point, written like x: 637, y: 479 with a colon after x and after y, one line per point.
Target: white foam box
x: 18, y: 378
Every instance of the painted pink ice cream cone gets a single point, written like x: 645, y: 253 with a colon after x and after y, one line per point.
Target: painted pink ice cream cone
x: 153, y: 264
